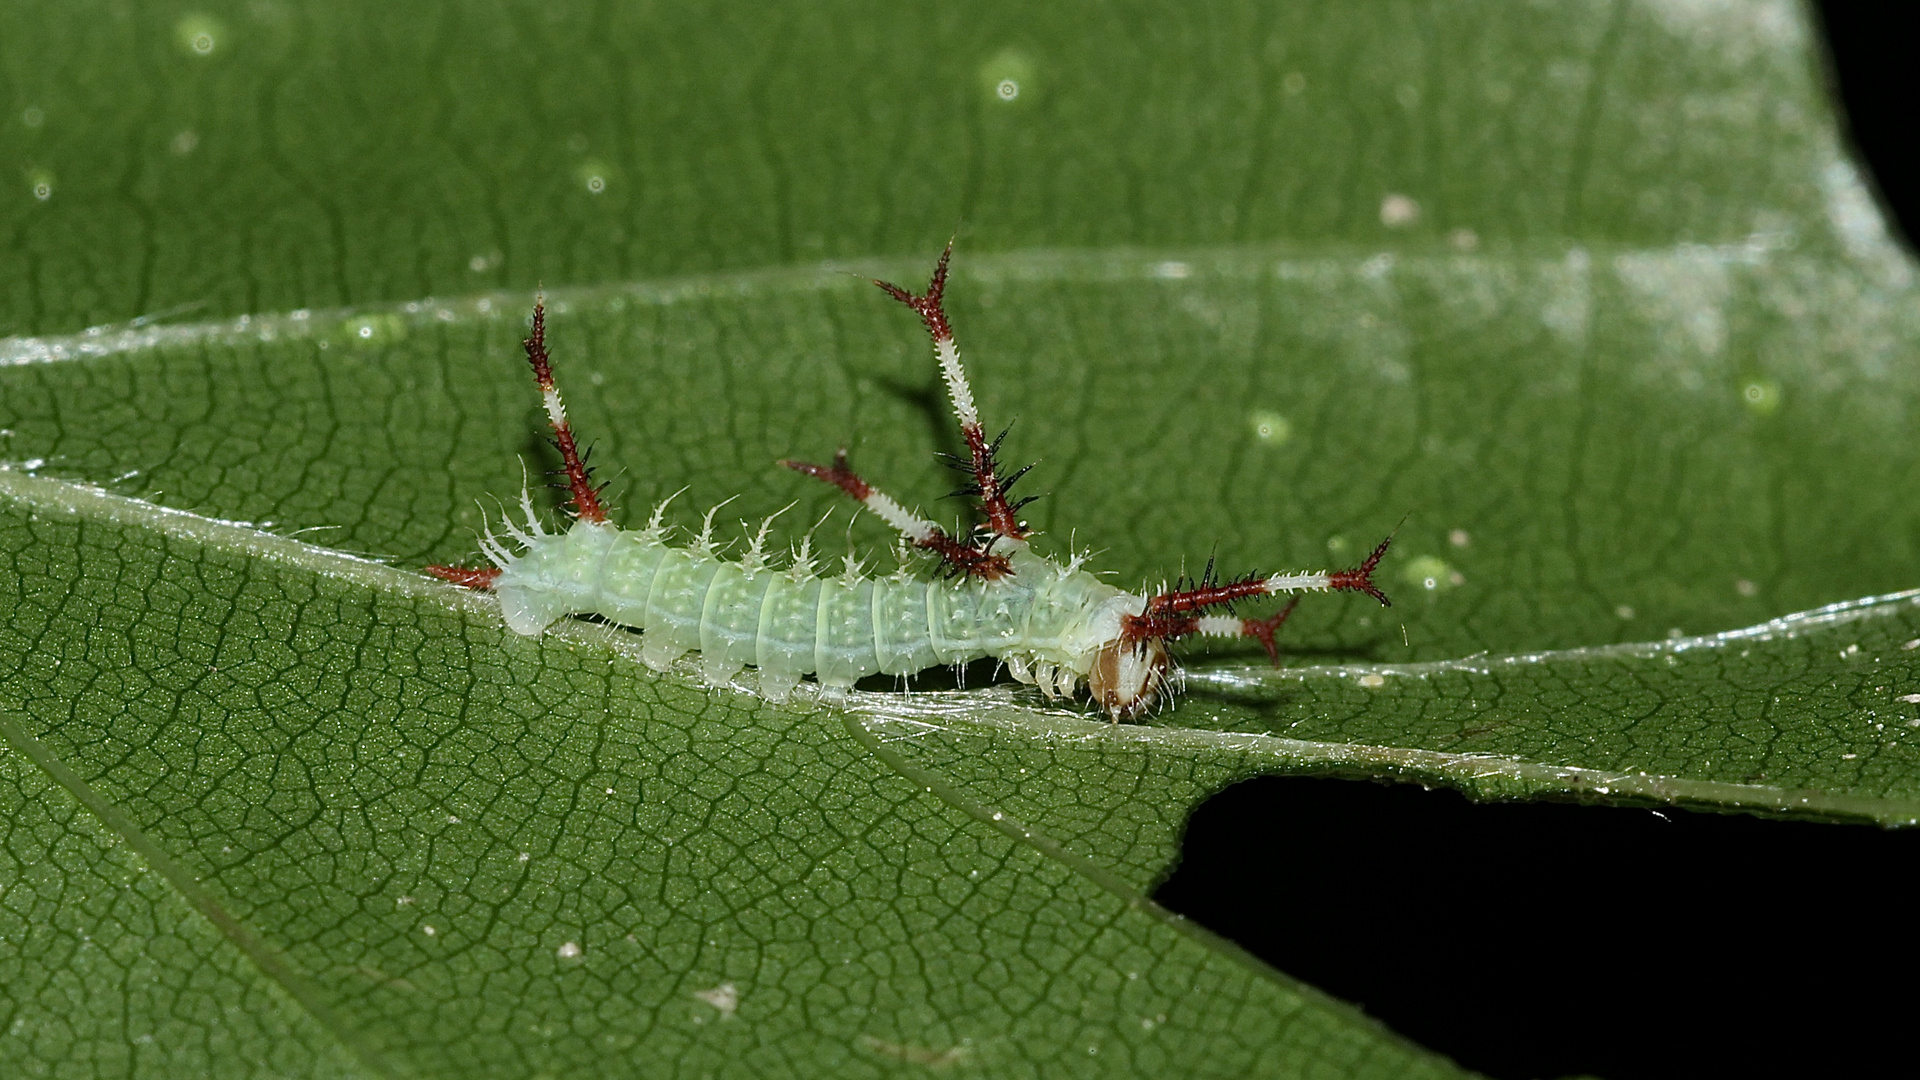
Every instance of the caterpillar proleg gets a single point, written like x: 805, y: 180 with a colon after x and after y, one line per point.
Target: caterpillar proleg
x: 1053, y: 624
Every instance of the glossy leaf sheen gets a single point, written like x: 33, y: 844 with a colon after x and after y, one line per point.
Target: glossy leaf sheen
x: 1630, y: 356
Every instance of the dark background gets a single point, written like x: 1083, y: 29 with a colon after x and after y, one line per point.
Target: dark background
x: 1546, y: 940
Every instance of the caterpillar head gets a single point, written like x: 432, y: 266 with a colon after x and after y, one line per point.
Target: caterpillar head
x: 1128, y: 676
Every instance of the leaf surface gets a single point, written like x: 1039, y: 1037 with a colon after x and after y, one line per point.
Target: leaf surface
x: 1588, y: 297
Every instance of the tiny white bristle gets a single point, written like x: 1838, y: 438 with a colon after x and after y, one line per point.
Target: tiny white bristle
x: 526, y: 507
x: 656, y: 522
x: 755, y: 558
x: 495, y: 552
x: 514, y: 531
x: 802, y: 568
x: 704, y: 542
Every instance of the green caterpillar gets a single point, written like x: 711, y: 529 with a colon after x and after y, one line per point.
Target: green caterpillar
x: 1052, y: 624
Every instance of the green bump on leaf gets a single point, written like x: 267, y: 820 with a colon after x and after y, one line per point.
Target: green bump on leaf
x: 200, y: 34
x: 1431, y: 573
x: 1257, y: 288
x: 1762, y: 396
x: 1009, y: 79
x: 371, y: 330
x: 1271, y: 429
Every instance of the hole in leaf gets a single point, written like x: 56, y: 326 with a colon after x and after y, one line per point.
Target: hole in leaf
x: 1872, y: 72
x: 1541, y: 940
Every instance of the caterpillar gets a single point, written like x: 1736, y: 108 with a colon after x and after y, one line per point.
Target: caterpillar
x: 1053, y: 624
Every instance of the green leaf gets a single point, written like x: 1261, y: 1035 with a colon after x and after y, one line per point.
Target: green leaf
x: 1587, y: 296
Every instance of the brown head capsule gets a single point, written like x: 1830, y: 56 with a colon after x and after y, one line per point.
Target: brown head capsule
x: 1127, y: 676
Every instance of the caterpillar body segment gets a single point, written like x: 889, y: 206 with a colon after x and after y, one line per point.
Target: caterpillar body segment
x: 1046, y: 620
x: 1054, y: 625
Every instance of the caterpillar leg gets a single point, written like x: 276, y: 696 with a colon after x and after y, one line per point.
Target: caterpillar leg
x: 920, y: 532
x: 988, y: 483
x: 777, y: 686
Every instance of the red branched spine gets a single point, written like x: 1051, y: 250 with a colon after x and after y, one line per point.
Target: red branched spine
x: 466, y: 577
x: 968, y: 561
x: 928, y: 303
x: 1176, y: 613
x: 1158, y: 625
x: 991, y: 486
x: 585, y: 496
x: 1264, y: 630
x: 960, y: 557
x: 838, y: 474
x: 1360, y: 578
x: 1207, y: 595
